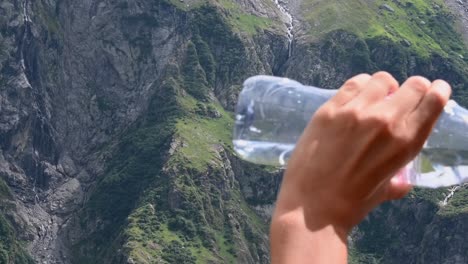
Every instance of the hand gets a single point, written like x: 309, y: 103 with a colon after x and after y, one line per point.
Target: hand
x: 343, y: 164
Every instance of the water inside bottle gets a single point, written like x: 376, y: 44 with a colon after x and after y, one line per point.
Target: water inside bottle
x: 272, y: 113
x: 270, y: 118
x: 441, y: 167
x: 267, y: 153
x: 443, y: 161
x: 437, y: 167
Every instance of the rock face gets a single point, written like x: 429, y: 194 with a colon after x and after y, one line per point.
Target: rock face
x: 437, y: 238
x: 115, y: 140
x: 460, y: 9
x: 76, y: 77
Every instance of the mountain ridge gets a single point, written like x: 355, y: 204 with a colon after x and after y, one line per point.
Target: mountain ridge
x: 116, y: 122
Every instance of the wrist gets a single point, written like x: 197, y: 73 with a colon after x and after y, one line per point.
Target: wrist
x: 310, y: 221
x: 299, y: 209
x: 293, y: 240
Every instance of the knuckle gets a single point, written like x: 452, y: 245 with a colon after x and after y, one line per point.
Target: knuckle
x: 386, y: 119
x: 349, y: 118
x: 435, y: 101
x: 351, y: 115
x: 351, y: 84
x: 384, y: 123
x: 386, y: 78
x: 383, y: 75
x: 324, y: 114
x: 418, y: 83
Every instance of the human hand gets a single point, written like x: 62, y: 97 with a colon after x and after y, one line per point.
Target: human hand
x: 343, y: 164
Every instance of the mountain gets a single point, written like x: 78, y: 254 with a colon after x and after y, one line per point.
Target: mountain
x: 116, y: 119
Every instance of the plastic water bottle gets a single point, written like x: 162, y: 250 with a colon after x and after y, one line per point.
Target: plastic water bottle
x: 272, y: 113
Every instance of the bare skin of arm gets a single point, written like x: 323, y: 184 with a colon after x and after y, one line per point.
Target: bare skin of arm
x: 343, y: 164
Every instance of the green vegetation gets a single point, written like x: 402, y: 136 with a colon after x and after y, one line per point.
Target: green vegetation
x: 4, y: 191
x: 200, y: 139
x: 227, y: 48
x: 187, y: 5
x: 238, y: 19
x: 206, y: 59
x: 49, y: 19
x: 166, y: 192
x: 425, y: 26
x: 355, y: 257
x: 191, y: 218
x: 457, y: 205
x: 241, y: 21
x: 433, y: 196
x: 352, y: 54
x: 426, y: 165
x: 136, y: 163
x: 251, y: 24
x: 195, y: 77
x: 3, y: 49
x: 11, y: 249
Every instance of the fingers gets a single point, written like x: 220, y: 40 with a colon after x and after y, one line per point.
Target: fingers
x: 396, y: 189
x: 350, y: 89
x: 431, y: 105
x: 380, y: 85
x: 408, y: 96
x: 424, y: 108
x: 392, y: 189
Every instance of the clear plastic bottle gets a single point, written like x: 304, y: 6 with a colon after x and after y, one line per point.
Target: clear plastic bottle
x: 272, y: 112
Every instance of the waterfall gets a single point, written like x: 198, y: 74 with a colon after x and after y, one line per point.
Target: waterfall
x: 451, y: 193
x: 289, y: 23
x: 26, y: 20
x: 23, y: 45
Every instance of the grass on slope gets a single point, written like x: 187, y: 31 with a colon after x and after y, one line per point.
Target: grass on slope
x: 164, y: 192
x: 237, y: 17
x: 424, y: 24
x: 188, y: 234
x: 199, y: 135
x: 245, y: 22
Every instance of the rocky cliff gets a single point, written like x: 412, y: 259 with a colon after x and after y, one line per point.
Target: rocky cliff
x: 116, y: 121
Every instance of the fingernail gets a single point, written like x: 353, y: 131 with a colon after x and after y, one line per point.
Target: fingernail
x: 443, y: 88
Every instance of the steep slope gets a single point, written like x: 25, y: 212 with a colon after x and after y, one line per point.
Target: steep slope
x: 460, y: 9
x: 115, y: 124
x: 11, y: 251
x: 169, y: 192
x: 416, y: 23
x: 417, y: 33
x: 111, y: 110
